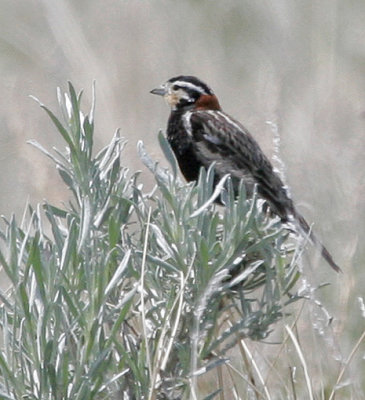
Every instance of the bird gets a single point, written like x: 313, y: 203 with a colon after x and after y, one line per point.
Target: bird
x: 200, y: 133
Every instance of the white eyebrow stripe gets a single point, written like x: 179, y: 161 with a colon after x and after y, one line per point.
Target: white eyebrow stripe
x: 189, y: 86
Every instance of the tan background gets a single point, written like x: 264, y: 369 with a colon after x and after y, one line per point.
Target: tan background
x: 299, y: 64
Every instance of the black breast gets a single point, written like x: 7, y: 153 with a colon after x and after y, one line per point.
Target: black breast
x: 183, y: 146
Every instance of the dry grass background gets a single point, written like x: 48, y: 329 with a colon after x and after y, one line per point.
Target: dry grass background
x: 299, y: 65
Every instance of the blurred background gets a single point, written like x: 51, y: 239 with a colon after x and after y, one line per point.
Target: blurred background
x: 294, y: 66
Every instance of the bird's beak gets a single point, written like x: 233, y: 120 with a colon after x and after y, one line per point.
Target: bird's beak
x: 161, y: 91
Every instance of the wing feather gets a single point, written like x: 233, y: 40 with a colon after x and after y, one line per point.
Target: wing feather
x: 219, y: 138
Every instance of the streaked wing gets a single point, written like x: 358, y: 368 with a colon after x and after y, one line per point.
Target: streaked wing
x: 219, y: 138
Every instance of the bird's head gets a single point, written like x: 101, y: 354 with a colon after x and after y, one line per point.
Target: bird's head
x: 186, y: 92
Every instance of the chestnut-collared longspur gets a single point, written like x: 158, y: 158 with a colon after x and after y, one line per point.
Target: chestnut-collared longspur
x: 200, y: 134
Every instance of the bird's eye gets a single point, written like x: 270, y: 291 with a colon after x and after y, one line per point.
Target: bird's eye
x: 175, y: 87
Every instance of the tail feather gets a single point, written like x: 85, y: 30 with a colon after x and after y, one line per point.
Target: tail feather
x: 303, y: 225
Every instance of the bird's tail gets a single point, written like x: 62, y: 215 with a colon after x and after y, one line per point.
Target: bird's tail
x: 305, y: 228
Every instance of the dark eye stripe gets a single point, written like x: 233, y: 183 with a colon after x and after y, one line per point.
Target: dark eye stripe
x: 192, y: 92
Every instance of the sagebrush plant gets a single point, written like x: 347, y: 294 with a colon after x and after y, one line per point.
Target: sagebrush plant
x: 123, y: 294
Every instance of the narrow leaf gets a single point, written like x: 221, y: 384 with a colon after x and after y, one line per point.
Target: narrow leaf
x: 166, y: 148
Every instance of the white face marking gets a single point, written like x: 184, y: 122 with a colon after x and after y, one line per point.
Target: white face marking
x: 173, y: 96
